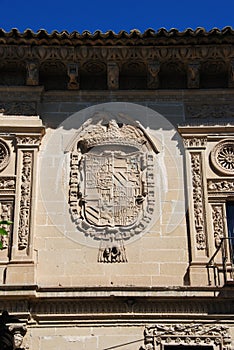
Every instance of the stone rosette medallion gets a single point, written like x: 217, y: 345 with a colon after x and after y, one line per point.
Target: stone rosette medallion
x: 4, y: 155
x: 222, y: 157
x: 111, y: 185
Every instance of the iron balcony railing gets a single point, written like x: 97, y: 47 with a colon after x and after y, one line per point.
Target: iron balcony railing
x: 220, y: 267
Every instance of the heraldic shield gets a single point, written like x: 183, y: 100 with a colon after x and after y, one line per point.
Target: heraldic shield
x: 111, y: 186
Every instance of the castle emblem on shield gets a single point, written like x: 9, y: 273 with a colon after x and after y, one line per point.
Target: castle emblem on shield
x: 111, y: 186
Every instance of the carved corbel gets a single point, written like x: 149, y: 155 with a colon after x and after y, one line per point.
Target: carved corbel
x: 73, y: 74
x: 193, y: 75
x: 112, y: 76
x: 153, y: 72
x: 231, y: 75
x: 32, y: 73
x: 18, y: 331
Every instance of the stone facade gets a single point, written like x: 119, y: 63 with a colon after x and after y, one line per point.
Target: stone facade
x: 116, y: 168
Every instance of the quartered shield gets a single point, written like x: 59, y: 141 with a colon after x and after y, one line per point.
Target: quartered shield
x: 113, y: 185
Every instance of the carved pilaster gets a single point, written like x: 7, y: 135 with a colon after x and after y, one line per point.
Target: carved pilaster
x: 218, y: 223
x: 32, y: 73
x: 152, y: 77
x: 112, y: 76
x: 231, y: 75
x: 73, y: 74
x: 198, y: 202
x: 25, y: 201
x: 193, y: 75
x: 6, y: 214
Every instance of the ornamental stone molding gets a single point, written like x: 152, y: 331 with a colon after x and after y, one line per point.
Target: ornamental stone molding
x: 196, y: 334
x: 222, y: 157
x: 4, y: 155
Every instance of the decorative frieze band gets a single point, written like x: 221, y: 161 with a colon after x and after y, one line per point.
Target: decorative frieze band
x: 7, y: 184
x: 198, y: 201
x: 31, y: 140
x: 220, y: 186
x: 25, y: 200
x: 195, y: 142
x: 69, y: 53
x: 196, y: 334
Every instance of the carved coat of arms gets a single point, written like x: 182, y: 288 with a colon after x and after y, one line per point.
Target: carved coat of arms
x: 111, y: 191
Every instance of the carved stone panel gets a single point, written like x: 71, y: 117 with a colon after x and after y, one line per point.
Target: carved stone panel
x: 6, y: 214
x: 112, y: 193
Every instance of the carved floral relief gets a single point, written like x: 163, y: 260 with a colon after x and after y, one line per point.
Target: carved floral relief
x: 222, y: 157
x: 4, y: 155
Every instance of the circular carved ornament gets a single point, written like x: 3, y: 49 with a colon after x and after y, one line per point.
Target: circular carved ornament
x: 222, y: 157
x: 4, y: 155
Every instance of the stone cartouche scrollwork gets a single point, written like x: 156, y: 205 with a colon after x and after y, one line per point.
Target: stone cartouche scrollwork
x: 111, y: 187
x: 198, y: 203
x: 218, y: 224
x: 222, y: 157
x: 184, y: 334
x: 4, y: 155
x: 28, y: 140
x: 25, y: 201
